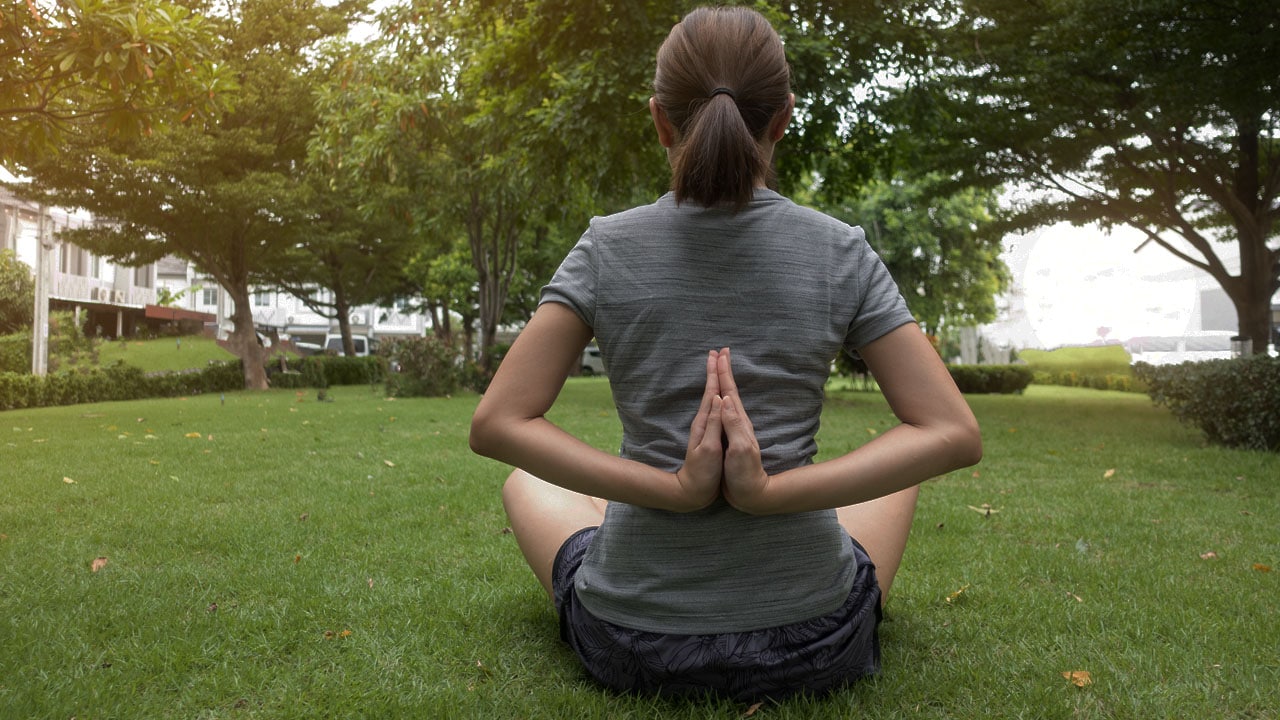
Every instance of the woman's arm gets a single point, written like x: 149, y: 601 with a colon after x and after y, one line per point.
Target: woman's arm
x: 937, y: 434
x: 510, y: 425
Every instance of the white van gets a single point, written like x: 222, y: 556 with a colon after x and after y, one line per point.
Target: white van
x: 363, y: 345
x: 592, y: 362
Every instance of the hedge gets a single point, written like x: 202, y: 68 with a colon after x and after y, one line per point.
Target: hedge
x: 1072, y: 378
x: 1235, y: 403
x: 1002, y: 379
x: 322, y: 371
x: 125, y: 382
x: 116, y: 382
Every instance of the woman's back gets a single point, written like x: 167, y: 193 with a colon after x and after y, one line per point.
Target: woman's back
x: 788, y: 289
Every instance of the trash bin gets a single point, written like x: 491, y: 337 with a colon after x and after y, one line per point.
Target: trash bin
x: 1241, y: 346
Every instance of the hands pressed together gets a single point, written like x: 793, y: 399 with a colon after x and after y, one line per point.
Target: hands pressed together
x: 723, y: 457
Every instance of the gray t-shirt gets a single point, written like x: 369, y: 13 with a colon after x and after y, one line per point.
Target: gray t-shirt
x: 785, y: 288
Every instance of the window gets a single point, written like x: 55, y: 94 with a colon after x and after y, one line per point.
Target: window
x: 262, y: 298
x: 209, y: 296
x: 142, y: 276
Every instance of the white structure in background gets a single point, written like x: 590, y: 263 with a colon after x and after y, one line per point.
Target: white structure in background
x: 278, y: 311
x: 108, y: 299
x: 111, y: 300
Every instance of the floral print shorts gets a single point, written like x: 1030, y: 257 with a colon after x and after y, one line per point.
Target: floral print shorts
x: 815, y: 656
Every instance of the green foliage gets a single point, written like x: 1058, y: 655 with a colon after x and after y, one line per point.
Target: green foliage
x: 228, y: 195
x: 941, y: 246
x: 112, y: 383
x: 17, y: 294
x: 1235, y: 403
x: 72, y: 68
x: 1072, y: 378
x: 1104, y: 367
x: 999, y: 379
x: 15, y: 353
x: 1158, y: 115
x: 426, y: 367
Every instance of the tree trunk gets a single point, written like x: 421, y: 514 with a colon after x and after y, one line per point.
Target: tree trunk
x: 342, y: 309
x: 243, y: 341
x: 1252, y: 300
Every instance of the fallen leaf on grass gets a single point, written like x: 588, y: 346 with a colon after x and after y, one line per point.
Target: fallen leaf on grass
x: 956, y: 595
x: 297, y: 559
x: 98, y: 563
x: 1077, y: 597
x: 388, y: 463
x: 68, y: 481
x: 986, y: 509
x: 1108, y: 474
x: 1209, y: 555
x: 1079, y: 678
x: 370, y: 583
x: 1261, y: 568
x: 344, y: 633
x: 752, y: 710
x: 193, y: 435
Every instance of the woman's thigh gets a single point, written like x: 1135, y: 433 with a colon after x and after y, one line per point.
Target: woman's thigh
x: 543, y: 516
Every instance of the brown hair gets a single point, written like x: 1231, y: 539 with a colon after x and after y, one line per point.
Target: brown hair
x: 722, y: 76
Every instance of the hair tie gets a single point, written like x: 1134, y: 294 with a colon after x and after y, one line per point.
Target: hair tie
x: 723, y: 91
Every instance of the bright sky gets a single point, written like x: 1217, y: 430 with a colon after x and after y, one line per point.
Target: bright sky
x: 1070, y: 281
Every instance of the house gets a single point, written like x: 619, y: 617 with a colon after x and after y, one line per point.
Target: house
x: 111, y: 300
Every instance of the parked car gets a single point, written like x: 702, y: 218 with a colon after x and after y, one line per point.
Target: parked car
x: 592, y: 362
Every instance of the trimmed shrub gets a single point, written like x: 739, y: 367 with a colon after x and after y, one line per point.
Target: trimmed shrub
x: 321, y: 371
x: 116, y: 382
x: 15, y: 353
x: 1001, y: 379
x: 1235, y: 403
x: 426, y: 367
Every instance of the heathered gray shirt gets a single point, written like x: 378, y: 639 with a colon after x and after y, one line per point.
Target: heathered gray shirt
x: 785, y: 288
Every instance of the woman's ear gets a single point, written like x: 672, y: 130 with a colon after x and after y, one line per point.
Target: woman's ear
x: 778, y: 126
x: 666, y: 131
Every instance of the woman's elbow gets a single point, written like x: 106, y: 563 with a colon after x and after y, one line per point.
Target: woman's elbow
x: 483, y: 436
x: 967, y: 443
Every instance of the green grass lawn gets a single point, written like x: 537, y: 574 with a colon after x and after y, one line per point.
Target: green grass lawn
x: 163, y: 354
x: 1097, y: 360
x: 192, y: 352
x: 271, y: 556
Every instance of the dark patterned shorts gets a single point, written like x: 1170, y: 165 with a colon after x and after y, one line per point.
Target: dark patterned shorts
x: 816, y: 656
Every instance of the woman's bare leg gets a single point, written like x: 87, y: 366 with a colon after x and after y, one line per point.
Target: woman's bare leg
x: 543, y: 516
x: 882, y: 526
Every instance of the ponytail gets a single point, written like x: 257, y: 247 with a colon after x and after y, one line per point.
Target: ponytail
x: 722, y: 77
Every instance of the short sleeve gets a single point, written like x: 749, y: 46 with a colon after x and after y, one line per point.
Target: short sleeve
x: 881, y: 308
x: 575, y: 281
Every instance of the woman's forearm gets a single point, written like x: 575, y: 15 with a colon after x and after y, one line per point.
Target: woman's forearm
x: 900, y: 458
x: 539, y: 447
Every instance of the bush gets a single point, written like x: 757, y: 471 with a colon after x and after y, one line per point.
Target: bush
x: 1002, y: 379
x: 115, y: 382
x: 427, y: 367
x: 1235, y: 403
x: 321, y: 371
x: 15, y: 353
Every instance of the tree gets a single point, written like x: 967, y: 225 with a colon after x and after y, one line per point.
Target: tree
x: 943, y: 250
x: 1161, y: 115
x: 69, y: 68
x: 351, y: 243
x: 17, y: 294
x: 227, y: 196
